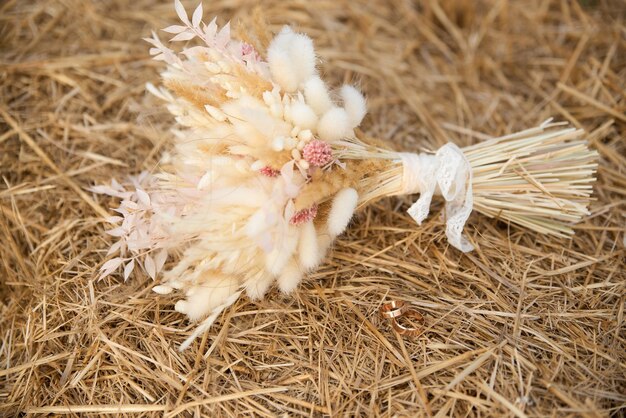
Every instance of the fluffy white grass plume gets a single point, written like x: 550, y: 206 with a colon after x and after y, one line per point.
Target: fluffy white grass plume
x: 317, y: 95
x: 341, y: 211
x: 354, y: 103
x: 303, y: 116
x: 308, y: 247
x: 291, y: 58
x: 249, y: 197
x: 290, y: 277
x: 334, y: 124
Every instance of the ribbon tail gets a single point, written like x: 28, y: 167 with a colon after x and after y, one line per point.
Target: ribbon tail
x: 455, y: 183
x: 420, y: 209
x: 456, y: 221
x: 449, y: 171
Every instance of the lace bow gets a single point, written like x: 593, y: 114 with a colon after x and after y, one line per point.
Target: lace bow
x: 449, y: 170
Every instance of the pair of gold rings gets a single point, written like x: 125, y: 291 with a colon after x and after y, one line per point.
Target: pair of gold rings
x: 395, y: 309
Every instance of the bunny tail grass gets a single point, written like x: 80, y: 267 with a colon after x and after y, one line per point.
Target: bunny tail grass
x: 206, y: 324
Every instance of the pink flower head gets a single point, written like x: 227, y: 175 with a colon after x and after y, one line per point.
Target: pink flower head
x: 303, y: 216
x: 246, y: 48
x: 269, y: 171
x: 317, y: 153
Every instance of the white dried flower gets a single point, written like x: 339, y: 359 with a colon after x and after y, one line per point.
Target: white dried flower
x: 302, y: 55
x: 334, y: 125
x: 303, y: 116
x: 282, y: 68
x: 258, y: 285
x: 290, y: 277
x: 354, y: 104
x: 341, y: 211
x: 308, y: 250
x: 316, y: 94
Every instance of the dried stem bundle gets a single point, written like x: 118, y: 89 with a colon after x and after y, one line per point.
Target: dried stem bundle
x: 540, y: 178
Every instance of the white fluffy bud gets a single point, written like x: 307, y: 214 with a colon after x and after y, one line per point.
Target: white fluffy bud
x: 354, y: 103
x: 277, y: 259
x: 257, y: 286
x: 283, y: 39
x: 282, y: 68
x: 317, y: 96
x: 334, y: 125
x: 203, y: 299
x: 278, y: 143
x: 290, y: 277
x: 341, y: 211
x: 162, y: 289
x: 307, y: 247
x: 302, y: 56
x: 291, y: 58
x: 280, y: 62
x: 303, y: 116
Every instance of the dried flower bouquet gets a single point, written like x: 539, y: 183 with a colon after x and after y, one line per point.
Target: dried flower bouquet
x: 268, y: 168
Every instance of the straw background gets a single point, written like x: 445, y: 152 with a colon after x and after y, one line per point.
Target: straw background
x: 524, y: 326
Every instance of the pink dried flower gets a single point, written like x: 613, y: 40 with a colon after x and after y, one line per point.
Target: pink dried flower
x: 249, y: 53
x: 246, y: 48
x: 269, y: 171
x: 303, y: 216
x: 317, y: 153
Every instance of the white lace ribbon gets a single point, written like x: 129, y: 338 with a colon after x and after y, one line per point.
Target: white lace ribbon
x: 449, y: 170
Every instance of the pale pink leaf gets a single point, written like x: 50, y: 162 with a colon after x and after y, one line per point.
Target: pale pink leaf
x: 143, y: 197
x: 129, y: 269
x: 205, y: 180
x: 150, y: 41
x: 115, y: 247
x: 223, y: 37
x: 116, y: 232
x: 100, y: 189
x: 286, y: 171
x: 107, y: 190
x: 155, y: 40
x: 150, y: 267
x: 112, y: 264
x: 159, y: 259
x: 197, y: 16
x: 180, y: 11
x: 184, y: 36
x: 129, y: 204
x: 121, y: 210
x: 174, y: 29
x: 210, y: 29
x: 113, y: 219
x: 117, y: 186
x: 104, y: 274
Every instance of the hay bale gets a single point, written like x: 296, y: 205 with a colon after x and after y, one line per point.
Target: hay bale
x: 525, y: 325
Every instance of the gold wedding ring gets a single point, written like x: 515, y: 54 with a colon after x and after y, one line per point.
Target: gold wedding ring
x: 395, y: 309
x: 409, y: 331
